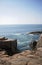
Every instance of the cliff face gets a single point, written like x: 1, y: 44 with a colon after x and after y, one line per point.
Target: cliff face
x: 9, y: 45
x: 39, y: 44
x: 26, y: 57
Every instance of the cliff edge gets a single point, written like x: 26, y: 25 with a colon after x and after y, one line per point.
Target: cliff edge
x: 26, y: 57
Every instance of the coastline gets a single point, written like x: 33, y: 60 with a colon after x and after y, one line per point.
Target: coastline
x: 35, y: 32
x: 27, y: 57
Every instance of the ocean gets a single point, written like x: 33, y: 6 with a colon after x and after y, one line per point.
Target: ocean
x: 19, y: 32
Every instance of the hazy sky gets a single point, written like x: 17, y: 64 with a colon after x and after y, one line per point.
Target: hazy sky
x: 20, y: 11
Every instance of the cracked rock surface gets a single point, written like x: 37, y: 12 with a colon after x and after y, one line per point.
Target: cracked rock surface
x: 26, y: 57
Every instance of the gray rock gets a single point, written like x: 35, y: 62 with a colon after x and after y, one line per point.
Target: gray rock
x: 9, y: 45
x: 33, y: 44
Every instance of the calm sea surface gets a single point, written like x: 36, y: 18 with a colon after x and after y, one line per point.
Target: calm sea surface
x: 19, y: 32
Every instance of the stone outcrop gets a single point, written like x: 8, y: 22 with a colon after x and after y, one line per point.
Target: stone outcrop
x: 3, y: 38
x: 33, y: 44
x: 36, y: 32
x: 9, y: 45
x: 26, y: 57
x: 39, y: 43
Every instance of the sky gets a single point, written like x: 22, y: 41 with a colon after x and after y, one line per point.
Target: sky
x: 20, y: 12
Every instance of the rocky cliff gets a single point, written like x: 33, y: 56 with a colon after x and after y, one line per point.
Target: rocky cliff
x: 39, y: 44
x: 36, y: 32
x: 9, y: 45
x: 26, y: 57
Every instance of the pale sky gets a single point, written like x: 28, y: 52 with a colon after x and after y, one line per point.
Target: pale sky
x: 20, y: 12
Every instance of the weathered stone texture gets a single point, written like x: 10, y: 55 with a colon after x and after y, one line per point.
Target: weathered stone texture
x: 9, y: 45
x: 39, y: 44
x: 26, y: 57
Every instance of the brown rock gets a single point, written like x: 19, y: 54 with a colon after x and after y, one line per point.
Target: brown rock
x: 20, y: 61
x: 3, y: 38
x: 33, y: 63
x: 25, y: 53
x: 26, y: 57
x: 39, y: 44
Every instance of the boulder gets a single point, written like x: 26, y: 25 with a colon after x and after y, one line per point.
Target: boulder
x: 9, y: 45
x: 3, y: 38
x: 33, y: 44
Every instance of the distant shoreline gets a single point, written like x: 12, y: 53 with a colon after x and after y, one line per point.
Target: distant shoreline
x: 35, y: 32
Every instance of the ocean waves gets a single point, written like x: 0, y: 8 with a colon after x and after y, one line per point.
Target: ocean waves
x: 23, y: 39
x: 20, y: 32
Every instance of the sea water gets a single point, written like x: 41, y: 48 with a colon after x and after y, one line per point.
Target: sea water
x: 19, y: 32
